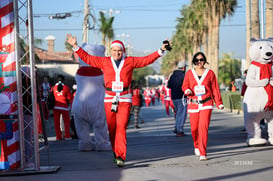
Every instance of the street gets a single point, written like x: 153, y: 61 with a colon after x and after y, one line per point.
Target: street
x: 155, y: 154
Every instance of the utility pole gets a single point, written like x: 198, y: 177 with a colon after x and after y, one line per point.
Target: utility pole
x: 262, y: 18
x: 85, y: 22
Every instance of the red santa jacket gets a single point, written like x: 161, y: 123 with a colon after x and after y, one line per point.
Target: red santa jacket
x: 112, y: 73
x: 167, y: 92
x: 212, y: 91
x: 62, y: 98
x: 147, y: 94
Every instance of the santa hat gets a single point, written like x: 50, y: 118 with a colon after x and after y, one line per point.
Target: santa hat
x: 119, y: 44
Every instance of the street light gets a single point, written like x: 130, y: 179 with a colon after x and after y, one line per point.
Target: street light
x: 111, y: 11
x: 123, y: 36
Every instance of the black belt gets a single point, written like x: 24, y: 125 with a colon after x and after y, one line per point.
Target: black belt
x: 200, y: 101
x: 110, y: 89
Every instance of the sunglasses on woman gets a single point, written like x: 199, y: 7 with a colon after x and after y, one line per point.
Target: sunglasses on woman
x: 201, y: 60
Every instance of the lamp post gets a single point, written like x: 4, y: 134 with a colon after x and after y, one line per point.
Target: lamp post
x: 123, y: 36
x: 111, y: 11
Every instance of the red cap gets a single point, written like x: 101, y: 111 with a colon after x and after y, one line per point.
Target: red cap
x: 118, y: 43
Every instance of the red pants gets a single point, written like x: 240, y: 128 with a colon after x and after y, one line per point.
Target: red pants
x: 56, y: 115
x: 45, y: 110
x: 199, y: 129
x: 117, y: 125
x: 168, y: 104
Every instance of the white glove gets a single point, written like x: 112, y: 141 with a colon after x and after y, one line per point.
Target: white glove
x: 221, y: 106
x: 188, y: 92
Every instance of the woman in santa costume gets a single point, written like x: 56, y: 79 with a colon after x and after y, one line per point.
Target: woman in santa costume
x: 117, y: 70
x: 201, y: 86
x: 88, y: 105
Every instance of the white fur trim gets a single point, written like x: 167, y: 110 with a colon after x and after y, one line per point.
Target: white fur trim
x: 76, y: 49
x: 160, y: 52
x: 117, y: 44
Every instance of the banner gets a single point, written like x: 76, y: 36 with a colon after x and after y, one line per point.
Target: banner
x: 8, y: 88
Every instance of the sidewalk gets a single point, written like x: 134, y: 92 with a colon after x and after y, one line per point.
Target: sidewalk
x: 155, y: 153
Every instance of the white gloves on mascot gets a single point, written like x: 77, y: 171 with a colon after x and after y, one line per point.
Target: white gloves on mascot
x: 258, y: 99
x: 88, y: 105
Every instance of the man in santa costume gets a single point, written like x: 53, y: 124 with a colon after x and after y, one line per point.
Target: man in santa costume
x: 88, y: 105
x: 117, y: 70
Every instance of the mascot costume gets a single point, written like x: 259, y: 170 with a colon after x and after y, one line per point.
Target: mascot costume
x: 88, y: 105
x: 258, y: 99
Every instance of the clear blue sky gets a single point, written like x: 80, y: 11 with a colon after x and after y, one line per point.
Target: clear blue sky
x: 144, y: 22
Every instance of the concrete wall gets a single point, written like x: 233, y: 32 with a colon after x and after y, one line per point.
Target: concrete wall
x: 53, y: 70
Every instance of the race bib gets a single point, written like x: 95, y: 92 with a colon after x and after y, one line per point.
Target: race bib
x: 199, y: 90
x: 117, y: 86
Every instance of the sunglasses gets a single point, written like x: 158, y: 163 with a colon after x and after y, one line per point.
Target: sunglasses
x: 201, y: 60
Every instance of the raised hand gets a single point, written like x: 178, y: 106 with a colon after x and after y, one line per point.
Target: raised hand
x: 71, y: 40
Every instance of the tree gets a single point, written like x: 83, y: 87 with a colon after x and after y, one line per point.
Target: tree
x: 106, y: 29
x: 25, y: 50
x: 248, y: 31
x: 230, y: 68
x: 255, y: 21
x: 269, y: 18
x: 68, y: 47
x: 216, y: 10
x: 197, y: 29
x: 140, y: 74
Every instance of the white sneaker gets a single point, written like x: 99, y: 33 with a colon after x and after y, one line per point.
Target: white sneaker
x: 196, y: 152
x: 203, y: 158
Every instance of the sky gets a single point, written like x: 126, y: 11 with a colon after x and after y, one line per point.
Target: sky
x: 141, y: 24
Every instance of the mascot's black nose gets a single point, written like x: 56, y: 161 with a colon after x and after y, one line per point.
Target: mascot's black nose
x: 268, y: 54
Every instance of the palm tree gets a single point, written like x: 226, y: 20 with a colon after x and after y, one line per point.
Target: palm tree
x: 197, y: 29
x: 255, y: 21
x: 229, y: 68
x: 269, y: 18
x: 248, y: 31
x: 216, y: 9
x: 106, y: 28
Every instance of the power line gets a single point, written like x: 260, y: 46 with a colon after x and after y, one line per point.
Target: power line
x: 129, y: 28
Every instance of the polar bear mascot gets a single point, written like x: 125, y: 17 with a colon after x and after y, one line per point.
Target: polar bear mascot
x: 258, y: 99
x: 88, y: 105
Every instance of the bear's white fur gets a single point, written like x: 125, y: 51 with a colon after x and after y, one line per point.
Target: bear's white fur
x: 256, y: 97
x: 88, y: 105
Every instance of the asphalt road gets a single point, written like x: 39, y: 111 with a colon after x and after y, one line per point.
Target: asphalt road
x: 155, y: 154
